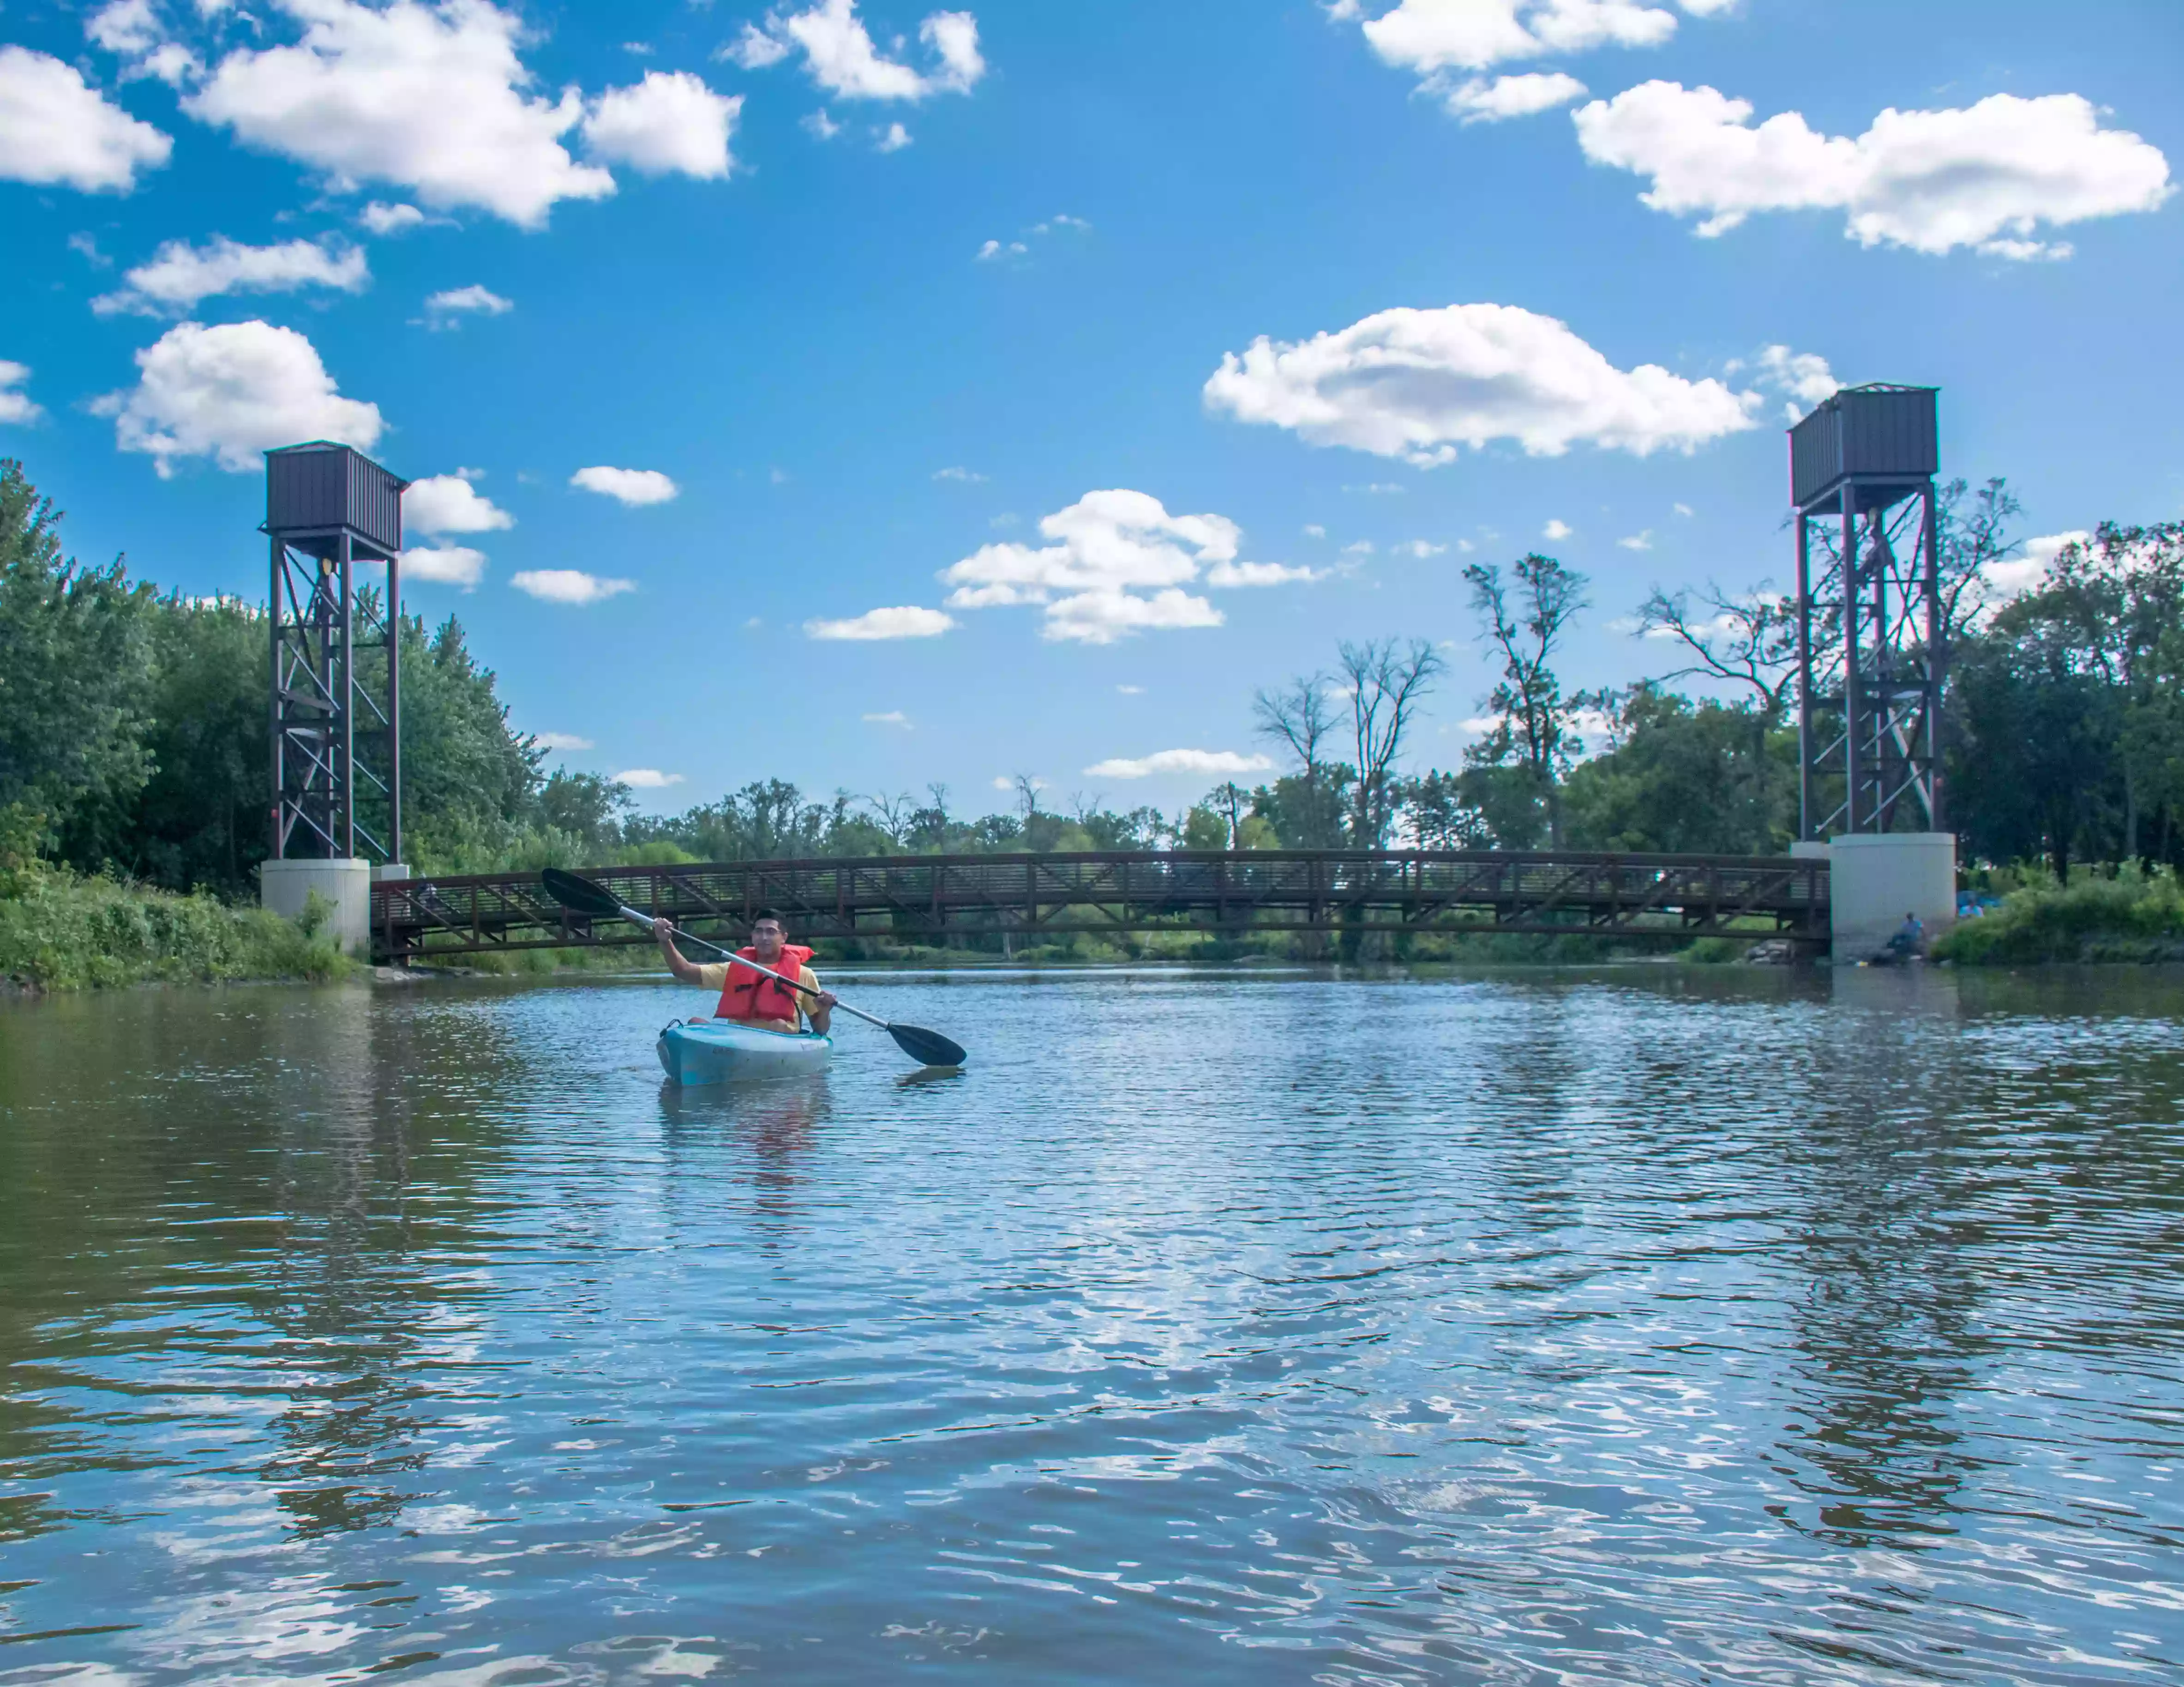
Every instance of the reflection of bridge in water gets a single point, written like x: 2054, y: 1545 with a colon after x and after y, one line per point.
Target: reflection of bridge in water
x: 927, y: 899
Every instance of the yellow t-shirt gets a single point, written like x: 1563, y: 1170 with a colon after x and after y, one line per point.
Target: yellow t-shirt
x: 713, y: 975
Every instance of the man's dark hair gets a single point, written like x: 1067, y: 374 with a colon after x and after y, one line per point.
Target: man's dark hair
x: 772, y: 914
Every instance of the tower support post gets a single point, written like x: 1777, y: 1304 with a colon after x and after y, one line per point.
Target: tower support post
x: 334, y: 708
x: 1871, y: 625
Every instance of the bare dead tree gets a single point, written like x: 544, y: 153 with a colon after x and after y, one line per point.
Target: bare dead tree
x: 1300, y: 714
x: 1231, y: 800
x: 1749, y: 640
x: 1974, y: 533
x: 894, y: 813
x: 1534, y: 715
x: 1028, y: 789
x: 1387, y: 678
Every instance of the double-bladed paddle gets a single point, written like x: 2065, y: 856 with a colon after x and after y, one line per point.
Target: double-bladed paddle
x: 574, y: 892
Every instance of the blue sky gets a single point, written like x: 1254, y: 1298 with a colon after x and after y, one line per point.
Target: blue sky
x: 741, y: 250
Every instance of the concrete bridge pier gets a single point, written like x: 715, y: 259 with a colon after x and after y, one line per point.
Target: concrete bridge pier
x: 285, y: 887
x: 1875, y: 880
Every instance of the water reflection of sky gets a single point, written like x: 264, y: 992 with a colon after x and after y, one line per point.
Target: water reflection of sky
x: 1636, y: 1326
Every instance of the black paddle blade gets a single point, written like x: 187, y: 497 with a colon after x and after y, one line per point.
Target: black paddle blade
x: 926, y: 1047
x: 580, y: 894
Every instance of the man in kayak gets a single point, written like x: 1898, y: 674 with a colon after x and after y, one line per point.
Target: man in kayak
x: 749, y: 997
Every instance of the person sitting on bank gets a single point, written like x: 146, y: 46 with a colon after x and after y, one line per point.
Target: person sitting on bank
x: 1904, y: 945
x: 749, y: 997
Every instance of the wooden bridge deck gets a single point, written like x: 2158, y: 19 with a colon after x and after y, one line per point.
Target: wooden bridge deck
x: 927, y: 898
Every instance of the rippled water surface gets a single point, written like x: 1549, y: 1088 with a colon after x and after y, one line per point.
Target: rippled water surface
x: 1634, y: 1326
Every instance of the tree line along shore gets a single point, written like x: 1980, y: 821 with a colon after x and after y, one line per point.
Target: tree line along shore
x: 134, y: 780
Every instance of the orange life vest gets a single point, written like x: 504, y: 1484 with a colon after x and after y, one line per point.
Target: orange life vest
x: 749, y: 995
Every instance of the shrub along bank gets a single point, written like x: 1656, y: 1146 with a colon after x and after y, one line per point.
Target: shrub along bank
x: 2132, y: 917
x: 69, y: 934
x: 62, y: 931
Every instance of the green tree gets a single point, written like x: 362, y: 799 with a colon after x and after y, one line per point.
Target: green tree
x: 1204, y: 829
x: 202, y: 820
x: 1305, y: 811
x: 1705, y: 778
x: 469, y: 781
x: 587, y: 806
x: 2032, y: 750
x: 2118, y: 602
x: 75, y: 683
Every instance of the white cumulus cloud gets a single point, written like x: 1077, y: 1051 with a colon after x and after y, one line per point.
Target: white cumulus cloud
x: 1418, y: 384
x: 893, y: 717
x: 384, y: 219
x: 1117, y: 564
x: 2026, y: 570
x: 57, y: 131
x: 474, y: 300
x: 559, y: 741
x: 1419, y: 549
x: 1802, y: 374
x: 1223, y: 575
x: 129, y: 27
x: 1428, y: 36
x: 1204, y: 763
x: 1449, y: 45
x: 1987, y: 175
x: 1478, y: 100
x: 671, y: 121
x: 906, y: 621
x: 432, y: 98
x: 232, y: 393
x: 444, y: 565
x: 648, y: 779
x: 840, y: 56
x: 15, y: 405
x: 133, y: 31
x: 1557, y: 528
x: 449, y: 504
x: 1637, y: 542
x: 179, y: 273
x: 569, y: 586
x: 625, y: 486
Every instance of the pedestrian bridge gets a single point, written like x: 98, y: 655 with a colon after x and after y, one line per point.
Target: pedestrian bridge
x: 930, y: 898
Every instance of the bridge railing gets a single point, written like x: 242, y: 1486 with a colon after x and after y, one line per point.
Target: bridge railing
x: 913, y: 897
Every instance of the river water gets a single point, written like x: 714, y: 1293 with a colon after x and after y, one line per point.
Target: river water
x: 1640, y: 1325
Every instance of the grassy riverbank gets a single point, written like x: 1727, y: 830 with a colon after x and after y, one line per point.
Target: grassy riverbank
x: 2131, y: 918
x: 60, y: 931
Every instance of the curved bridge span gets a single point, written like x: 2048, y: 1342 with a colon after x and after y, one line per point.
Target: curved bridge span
x: 928, y: 898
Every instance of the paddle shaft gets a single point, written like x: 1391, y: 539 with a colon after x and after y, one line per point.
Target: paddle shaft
x: 733, y: 958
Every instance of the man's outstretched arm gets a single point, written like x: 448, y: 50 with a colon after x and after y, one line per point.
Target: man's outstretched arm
x: 684, y: 971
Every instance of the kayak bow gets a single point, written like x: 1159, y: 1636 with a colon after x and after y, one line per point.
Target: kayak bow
x: 702, y: 1051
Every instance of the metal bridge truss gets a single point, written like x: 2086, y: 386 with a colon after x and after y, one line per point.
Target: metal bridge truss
x: 927, y: 899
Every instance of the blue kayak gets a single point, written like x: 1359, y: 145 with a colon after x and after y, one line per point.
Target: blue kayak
x: 697, y: 1051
